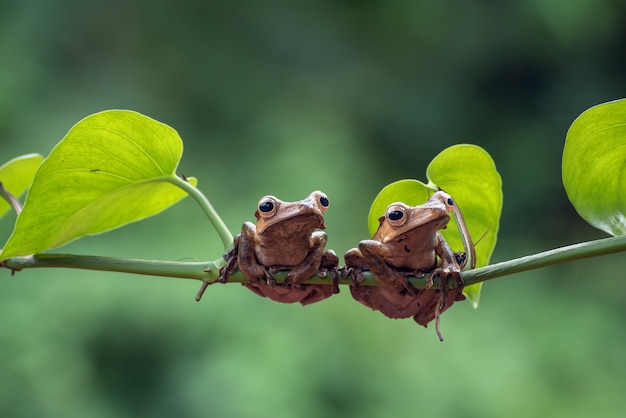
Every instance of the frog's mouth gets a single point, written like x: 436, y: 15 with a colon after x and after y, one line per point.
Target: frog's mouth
x: 314, y: 220
x: 317, y: 221
x: 306, y: 223
x: 427, y: 229
x: 303, y: 211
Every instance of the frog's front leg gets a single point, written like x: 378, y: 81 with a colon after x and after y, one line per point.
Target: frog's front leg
x: 231, y: 261
x: 374, y: 253
x: 311, y: 264
x: 246, y: 257
x: 449, y: 264
x: 355, y: 264
x: 449, y: 268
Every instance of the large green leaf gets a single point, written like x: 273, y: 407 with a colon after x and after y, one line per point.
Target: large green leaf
x: 594, y: 166
x: 469, y: 175
x: 16, y: 175
x: 112, y: 168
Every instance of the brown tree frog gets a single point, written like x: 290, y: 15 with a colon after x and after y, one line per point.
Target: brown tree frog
x: 285, y: 239
x: 408, y: 242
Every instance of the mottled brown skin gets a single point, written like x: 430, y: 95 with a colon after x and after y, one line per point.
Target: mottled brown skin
x: 408, y: 242
x: 284, y: 239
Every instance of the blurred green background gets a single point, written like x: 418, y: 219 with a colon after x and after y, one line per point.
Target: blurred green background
x: 284, y: 98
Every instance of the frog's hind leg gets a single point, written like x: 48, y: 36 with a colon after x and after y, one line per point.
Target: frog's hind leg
x: 374, y: 252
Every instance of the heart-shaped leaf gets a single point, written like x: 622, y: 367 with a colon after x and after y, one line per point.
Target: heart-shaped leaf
x: 594, y: 166
x: 112, y: 168
x: 16, y: 175
x: 468, y: 173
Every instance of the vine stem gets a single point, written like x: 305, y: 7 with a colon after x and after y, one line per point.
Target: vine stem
x: 572, y: 252
x: 208, y: 271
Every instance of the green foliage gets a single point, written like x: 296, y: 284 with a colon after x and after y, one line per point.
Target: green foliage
x: 112, y: 168
x: 594, y: 166
x: 469, y: 175
x: 16, y: 175
x: 346, y: 97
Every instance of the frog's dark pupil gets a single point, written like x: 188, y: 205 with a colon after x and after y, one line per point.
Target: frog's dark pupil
x: 324, y: 201
x: 266, y: 207
x: 450, y: 201
x: 395, y: 215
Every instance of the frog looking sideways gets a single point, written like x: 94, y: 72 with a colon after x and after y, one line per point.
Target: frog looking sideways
x: 284, y: 239
x: 408, y: 242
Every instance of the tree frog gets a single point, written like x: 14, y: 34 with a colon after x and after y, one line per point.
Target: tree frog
x: 285, y: 239
x: 408, y: 242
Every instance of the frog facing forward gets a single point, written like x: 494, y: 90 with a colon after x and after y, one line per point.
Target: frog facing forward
x: 285, y: 238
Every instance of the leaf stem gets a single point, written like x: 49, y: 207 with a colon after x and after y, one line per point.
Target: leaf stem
x: 222, y: 230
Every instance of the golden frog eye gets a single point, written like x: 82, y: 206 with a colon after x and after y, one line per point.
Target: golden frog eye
x: 321, y: 200
x: 324, y: 202
x: 444, y: 198
x: 267, y: 206
x: 396, y: 215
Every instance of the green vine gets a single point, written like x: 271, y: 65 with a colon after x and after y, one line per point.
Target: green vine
x: 208, y: 271
x: 79, y: 190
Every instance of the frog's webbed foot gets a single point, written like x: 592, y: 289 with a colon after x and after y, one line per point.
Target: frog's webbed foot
x: 444, y: 273
x: 256, y: 273
x: 231, y: 264
x: 450, y: 265
x: 355, y: 274
x: 430, y: 280
x: 355, y: 264
x: 330, y: 262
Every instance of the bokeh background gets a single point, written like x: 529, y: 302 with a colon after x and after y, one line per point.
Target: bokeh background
x: 284, y: 98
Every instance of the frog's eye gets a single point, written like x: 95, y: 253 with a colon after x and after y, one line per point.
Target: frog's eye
x: 324, y: 201
x: 267, y: 207
x: 396, y: 215
x: 320, y: 199
x: 445, y: 198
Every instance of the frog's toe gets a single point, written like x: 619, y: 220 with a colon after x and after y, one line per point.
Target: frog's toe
x: 335, y: 279
x: 269, y: 279
x: 458, y: 278
x: 355, y: 274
